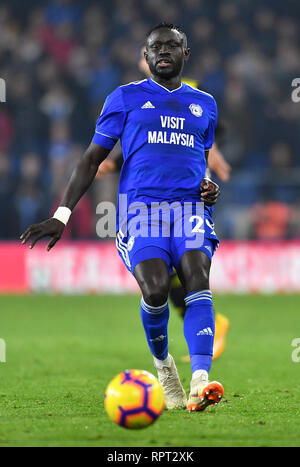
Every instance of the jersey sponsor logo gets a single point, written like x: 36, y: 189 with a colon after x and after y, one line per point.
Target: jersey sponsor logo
x: 174, y: 123
x: 196, y: 110
x: 148, y: 105
x: 183, y: 139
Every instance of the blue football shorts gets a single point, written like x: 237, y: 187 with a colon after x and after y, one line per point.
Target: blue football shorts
x: 166, y: 231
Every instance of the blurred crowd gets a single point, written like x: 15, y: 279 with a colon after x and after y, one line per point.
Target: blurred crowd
x: 61, y: 58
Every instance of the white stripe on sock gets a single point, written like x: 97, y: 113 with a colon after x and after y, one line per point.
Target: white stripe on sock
x: 153, y: 309
x: 202, y: 294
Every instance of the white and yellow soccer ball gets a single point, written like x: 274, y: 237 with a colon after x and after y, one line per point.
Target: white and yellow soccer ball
x: 134, y: 399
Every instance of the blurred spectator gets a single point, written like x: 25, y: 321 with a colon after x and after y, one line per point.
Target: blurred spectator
x: 60, y: 147
x: 8, y: 227
x: 59, y: 42
x: 104, y: 78
x: 281, y: 157
x: 61, y: 11
x: 272, y: 221
x: 21, y: 101
x: 57, y: 103
x: 6, y: 130
x: 60, y: 139
x: 29, y: 199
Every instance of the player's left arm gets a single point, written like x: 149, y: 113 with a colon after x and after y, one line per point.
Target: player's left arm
x: 210, y: 191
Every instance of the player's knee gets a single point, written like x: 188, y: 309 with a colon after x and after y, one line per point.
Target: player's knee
x: 155, y: 292
x: 155, y: 298
x: 154, y: 282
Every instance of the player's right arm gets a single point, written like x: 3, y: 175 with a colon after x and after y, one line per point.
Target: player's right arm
x: 108, y: 130
x: 81, y: 178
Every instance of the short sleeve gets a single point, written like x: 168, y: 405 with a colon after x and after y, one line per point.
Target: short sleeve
x: 110, y: 124
x: 209, y: 134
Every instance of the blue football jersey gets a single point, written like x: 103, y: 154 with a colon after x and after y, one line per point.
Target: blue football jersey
x: 163, y: 135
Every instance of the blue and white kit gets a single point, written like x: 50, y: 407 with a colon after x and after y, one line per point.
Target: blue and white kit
x: 164, y: 135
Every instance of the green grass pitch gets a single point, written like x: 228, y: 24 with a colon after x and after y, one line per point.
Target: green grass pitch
x: 62, y: 352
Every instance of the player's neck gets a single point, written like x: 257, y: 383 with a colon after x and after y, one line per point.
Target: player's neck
x: 171, y: 84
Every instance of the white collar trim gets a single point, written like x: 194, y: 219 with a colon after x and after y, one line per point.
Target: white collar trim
x: 172, y: 90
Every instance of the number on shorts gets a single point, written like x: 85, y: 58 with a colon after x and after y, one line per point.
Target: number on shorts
x: 199, y: 223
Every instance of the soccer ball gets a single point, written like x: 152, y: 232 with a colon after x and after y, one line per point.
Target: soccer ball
x: 134, y: 399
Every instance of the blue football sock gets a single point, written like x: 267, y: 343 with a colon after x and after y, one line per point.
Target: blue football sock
x: 199, y: 329
x: 155, y: 321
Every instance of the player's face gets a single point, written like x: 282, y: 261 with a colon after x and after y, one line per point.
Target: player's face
x: 166, y: 53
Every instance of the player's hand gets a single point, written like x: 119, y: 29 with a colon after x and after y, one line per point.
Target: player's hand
x: 50, y: 228
x: 106, y: 167
x: 210, y: 192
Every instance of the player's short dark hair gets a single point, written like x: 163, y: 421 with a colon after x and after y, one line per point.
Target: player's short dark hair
x: 170, y: 26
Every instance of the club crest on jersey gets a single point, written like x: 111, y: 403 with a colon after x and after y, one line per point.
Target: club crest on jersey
x: 196, y: 110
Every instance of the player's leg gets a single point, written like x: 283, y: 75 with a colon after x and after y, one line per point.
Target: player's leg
x: 177, y: 295
x: 153, y: 277
x: 199, y: 327
x: 199, y: 323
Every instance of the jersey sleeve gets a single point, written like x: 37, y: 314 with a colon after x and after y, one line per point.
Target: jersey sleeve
x: 209, y: 135
x: 110, y: 124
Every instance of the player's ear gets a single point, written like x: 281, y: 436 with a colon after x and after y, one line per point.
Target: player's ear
x: 146, y: 55
x: 187, y: 53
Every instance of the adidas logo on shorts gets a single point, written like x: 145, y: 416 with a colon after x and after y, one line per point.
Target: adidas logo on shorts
x: 148, y: 105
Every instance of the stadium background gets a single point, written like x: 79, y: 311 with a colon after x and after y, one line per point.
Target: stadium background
x: 61, y: 58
